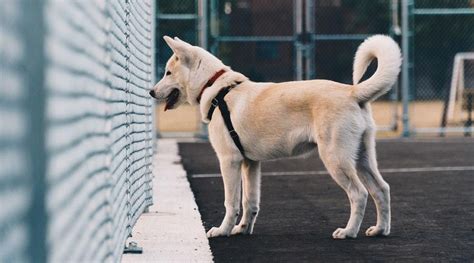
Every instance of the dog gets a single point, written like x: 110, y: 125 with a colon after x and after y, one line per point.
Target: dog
x: 277, y: 120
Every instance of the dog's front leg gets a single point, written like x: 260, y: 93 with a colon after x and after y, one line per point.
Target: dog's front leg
x: 250, y: 197
x: 231, y: 176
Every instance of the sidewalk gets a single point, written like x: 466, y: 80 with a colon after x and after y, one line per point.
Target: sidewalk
x: 172, y: 230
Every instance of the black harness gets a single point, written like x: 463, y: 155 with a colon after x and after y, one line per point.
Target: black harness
x: 219, y: 101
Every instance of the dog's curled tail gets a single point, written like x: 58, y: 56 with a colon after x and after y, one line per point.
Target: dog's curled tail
x: 388, y: 56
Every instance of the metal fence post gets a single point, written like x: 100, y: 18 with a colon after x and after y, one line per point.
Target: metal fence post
x: 203, y: 34
x: 299, y: 47
x: 33, y: 30
x: 214, y: 27
x: 407, y: 33
x: 395, y: 32
x: 311, y: 45
x: 203, y: 22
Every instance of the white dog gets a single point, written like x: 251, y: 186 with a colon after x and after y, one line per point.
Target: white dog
x: 262, y: 121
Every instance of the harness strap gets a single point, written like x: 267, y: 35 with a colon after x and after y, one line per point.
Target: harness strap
x: 219, y: 101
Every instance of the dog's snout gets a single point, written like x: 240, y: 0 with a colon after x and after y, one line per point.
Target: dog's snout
x: 152, y: 93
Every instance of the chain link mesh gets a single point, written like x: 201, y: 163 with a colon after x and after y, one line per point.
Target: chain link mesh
x: 98, y: 127
x: 15, y: 188
x: 441, y: 30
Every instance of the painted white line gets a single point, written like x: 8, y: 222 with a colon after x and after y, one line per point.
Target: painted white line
x: 428, y: 169
x: 388, y: 170
x: 172, y: 230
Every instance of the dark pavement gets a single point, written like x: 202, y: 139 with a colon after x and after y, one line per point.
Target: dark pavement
x: 432, y: 212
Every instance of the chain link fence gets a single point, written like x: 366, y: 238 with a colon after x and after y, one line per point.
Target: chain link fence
x: 307, y: 39
x: 76, y: 130
x: 300, y: 39
x: 16, y: 186
x: 255, y: 38
x: 278, y: 41
x: 180, y: 18
x: 441, y: 30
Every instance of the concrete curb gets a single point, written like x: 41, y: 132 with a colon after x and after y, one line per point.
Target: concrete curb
x: 172, y: 230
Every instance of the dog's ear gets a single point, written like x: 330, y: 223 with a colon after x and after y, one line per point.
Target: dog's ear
x: 176, y: 46
x: 182, y: 42
x: 180, y: 48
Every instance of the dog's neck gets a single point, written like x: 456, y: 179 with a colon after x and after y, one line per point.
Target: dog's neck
x: 228, y: 78
x: 210, y: 82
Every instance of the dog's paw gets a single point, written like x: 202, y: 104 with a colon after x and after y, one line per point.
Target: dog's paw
x: 217, y: 232
x: 241, y: 230
x: 377, y: 231
x: 343, y: 233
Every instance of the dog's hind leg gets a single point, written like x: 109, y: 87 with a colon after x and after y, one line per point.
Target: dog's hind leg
x: 339, y: 161
x: 251, y: 176
x: 231, y: 176
x: 372, y: 179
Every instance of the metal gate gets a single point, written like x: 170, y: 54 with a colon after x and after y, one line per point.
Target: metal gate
x: 442, y: 34
x: 302, y: 39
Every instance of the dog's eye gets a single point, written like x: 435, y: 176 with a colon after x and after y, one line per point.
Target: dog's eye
x: 168, y: 73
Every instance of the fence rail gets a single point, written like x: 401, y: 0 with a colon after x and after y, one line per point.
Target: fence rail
x: 76, y: 130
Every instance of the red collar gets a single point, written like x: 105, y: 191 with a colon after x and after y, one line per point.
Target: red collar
x: 210, y: 82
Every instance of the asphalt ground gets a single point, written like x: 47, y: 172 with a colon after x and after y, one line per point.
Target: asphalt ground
x: 432, y: 191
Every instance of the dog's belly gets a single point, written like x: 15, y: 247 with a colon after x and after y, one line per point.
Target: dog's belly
x: 281, y: 150
x: 303, y: 148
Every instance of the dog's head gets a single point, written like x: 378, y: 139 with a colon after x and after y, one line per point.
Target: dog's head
x: 172, y: 87
x: 186, y: 71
